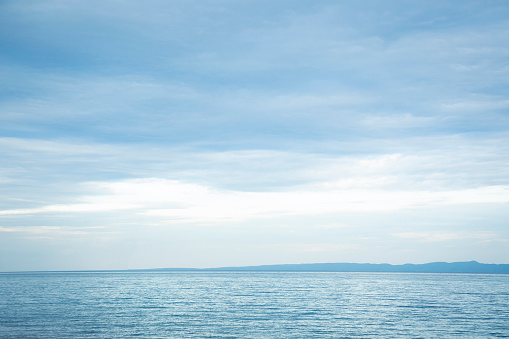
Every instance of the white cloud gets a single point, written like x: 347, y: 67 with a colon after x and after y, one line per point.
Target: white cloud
x: 50, y: 230
x: 478, y: 106
x: 395, y: 121
x: 440, y: 236
x: 182, y: 202
x: 314, y: 247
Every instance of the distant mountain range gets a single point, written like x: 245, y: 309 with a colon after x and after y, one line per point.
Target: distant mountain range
x: 434, y: 267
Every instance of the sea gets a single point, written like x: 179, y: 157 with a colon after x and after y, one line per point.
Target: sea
x: 161, y: 304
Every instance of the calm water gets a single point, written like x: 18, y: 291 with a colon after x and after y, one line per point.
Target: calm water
x: 253, y: 305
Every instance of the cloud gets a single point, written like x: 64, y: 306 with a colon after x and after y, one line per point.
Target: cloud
x: 315, y: 247
x: 397, y: 121
x: 51, y: 230
x: 442, y: 236
x: 182, y: 202
x: 74, y: 208
x: 478, y: 106
x: 158, y: 119
x: 46, y: 176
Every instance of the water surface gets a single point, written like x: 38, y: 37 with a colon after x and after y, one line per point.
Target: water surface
x: 253, y: 305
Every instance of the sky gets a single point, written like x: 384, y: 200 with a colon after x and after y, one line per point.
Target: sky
x: 146, y: 134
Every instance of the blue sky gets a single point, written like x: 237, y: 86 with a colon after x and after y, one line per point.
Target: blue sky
x: 220, y: 133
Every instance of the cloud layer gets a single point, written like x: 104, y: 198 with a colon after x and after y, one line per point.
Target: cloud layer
x: 206, y: 133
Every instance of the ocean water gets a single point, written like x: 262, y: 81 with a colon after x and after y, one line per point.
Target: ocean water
x: 253, y: 305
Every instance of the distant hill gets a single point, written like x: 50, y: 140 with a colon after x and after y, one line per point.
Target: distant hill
x: 434, y: 267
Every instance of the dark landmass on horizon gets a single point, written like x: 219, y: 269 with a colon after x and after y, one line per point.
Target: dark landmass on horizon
x: 434, y: 267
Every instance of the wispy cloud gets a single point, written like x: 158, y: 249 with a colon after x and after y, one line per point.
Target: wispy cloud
x: 195, y: 203
x: 441, y: 236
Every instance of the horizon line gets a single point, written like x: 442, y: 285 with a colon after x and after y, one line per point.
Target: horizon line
x: 260, y: 268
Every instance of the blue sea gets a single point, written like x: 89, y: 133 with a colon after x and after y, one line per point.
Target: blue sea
x: 253, y: 305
